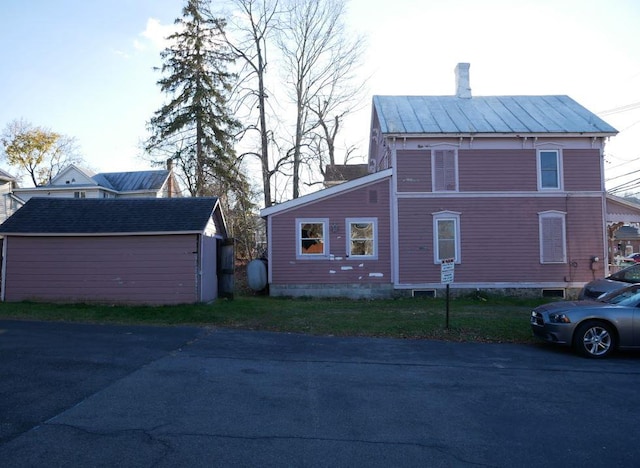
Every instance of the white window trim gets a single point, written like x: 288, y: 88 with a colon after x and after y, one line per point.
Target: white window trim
x: 557, y: 215
x: 446, y: 216
x: 298, y: 240
x: 559, y: 168
x: 433, y: 169
x: 348, y: 223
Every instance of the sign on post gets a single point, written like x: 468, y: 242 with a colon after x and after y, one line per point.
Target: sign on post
x: 446, y: 277
x: 446, y: 271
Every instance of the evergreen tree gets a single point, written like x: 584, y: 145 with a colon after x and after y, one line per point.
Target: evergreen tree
x: 195, y: 129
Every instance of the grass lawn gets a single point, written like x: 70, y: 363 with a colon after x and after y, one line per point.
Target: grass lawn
x: 493, y: 319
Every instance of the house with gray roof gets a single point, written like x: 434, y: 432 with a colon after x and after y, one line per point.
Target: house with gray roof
x: 507, y: 192
x: 117, y: 251
x: 76, y: 182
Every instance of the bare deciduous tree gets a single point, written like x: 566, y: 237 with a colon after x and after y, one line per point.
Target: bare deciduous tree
x: 253, y: 25
x: 298, y: 109
x: 320, y: 60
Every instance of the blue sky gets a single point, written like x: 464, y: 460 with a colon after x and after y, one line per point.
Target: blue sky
x: 85, y: 68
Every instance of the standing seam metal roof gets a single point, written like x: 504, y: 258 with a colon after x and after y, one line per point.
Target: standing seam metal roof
x: 132, y: 181
x: 486, y: 114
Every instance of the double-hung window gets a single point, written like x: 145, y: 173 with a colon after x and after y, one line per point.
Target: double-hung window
x: 553, y: 246
x: 446, y: 236
x: 312, y: 238
x: 549, y: 170
x: 444, y: 169
x: 362, y: 240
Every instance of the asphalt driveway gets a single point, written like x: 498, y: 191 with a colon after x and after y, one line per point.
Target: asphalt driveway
x: 94, y: 395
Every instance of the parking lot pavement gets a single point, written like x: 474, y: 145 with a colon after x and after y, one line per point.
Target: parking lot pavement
x: 93, y: 395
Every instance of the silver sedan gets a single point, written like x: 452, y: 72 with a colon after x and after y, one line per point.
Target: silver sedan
x: 594, y: 328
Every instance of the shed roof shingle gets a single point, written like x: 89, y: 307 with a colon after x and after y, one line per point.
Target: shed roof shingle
x: 342, y: 172
x: 110, y: 216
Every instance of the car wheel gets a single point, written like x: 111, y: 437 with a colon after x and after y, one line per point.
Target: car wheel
x: 594, y: 339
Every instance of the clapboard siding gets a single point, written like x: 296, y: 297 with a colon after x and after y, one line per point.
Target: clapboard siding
x: 414, y: 171
x: 132, y: 269
x: 582, y: 169
x: 370, y: 201
x: 499, y: 239
x: 497, y: 170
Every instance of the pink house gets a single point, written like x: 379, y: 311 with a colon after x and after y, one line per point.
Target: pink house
x: 509, y: 187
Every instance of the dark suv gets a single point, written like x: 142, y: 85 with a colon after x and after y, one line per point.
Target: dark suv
x: 620, y: 279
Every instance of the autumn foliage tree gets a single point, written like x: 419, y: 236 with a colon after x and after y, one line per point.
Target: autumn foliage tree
x: 37, y: 152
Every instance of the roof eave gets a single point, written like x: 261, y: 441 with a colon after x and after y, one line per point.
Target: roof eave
x: 320, y: 194
x: 63, y: 188
x: 98, y: 234
x: 499, y: 135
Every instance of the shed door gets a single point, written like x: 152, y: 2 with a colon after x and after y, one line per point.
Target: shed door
x: 226, y: 267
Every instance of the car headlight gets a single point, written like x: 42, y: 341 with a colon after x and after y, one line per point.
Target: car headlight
x: 559, y: 317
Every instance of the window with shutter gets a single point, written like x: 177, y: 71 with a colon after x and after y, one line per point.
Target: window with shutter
x: 552, y: 237
x: 445, y: 177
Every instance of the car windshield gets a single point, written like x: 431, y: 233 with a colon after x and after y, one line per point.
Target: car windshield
x: 625, y: 297
x: 628, y: 275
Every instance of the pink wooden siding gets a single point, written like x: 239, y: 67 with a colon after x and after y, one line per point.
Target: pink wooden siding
x: 414, y: 171
x: 371, y: 201
x: 499, y: 239
x: 134, y: 269
x: 581, y: 168
x: 497, y: 170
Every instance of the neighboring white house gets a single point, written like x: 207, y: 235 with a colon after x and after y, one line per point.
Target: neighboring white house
x: 8, y: 203
x: 76, y: 182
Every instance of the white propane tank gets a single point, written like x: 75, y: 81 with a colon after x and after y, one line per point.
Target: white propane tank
x: 257, y: 274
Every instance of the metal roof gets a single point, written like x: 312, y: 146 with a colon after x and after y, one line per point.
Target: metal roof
x: 132, y: 181
x: 65, y: 216
x: 486, y: 114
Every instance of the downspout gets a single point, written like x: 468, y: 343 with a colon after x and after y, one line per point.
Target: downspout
x: 269, y: 252
x: 604, y: 211
x: 199, y: 250
x: 393, y: 219
x: 4, y: 268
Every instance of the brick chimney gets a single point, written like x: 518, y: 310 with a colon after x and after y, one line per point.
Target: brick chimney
x: 170, y: 180
x: 463, y: 89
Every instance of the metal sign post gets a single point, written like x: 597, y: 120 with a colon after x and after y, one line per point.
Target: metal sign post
x: 446, y: 277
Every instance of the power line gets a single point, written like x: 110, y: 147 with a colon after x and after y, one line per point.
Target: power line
x: 627, y: 186
x: 623, y: 175
x: 617, y: 110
